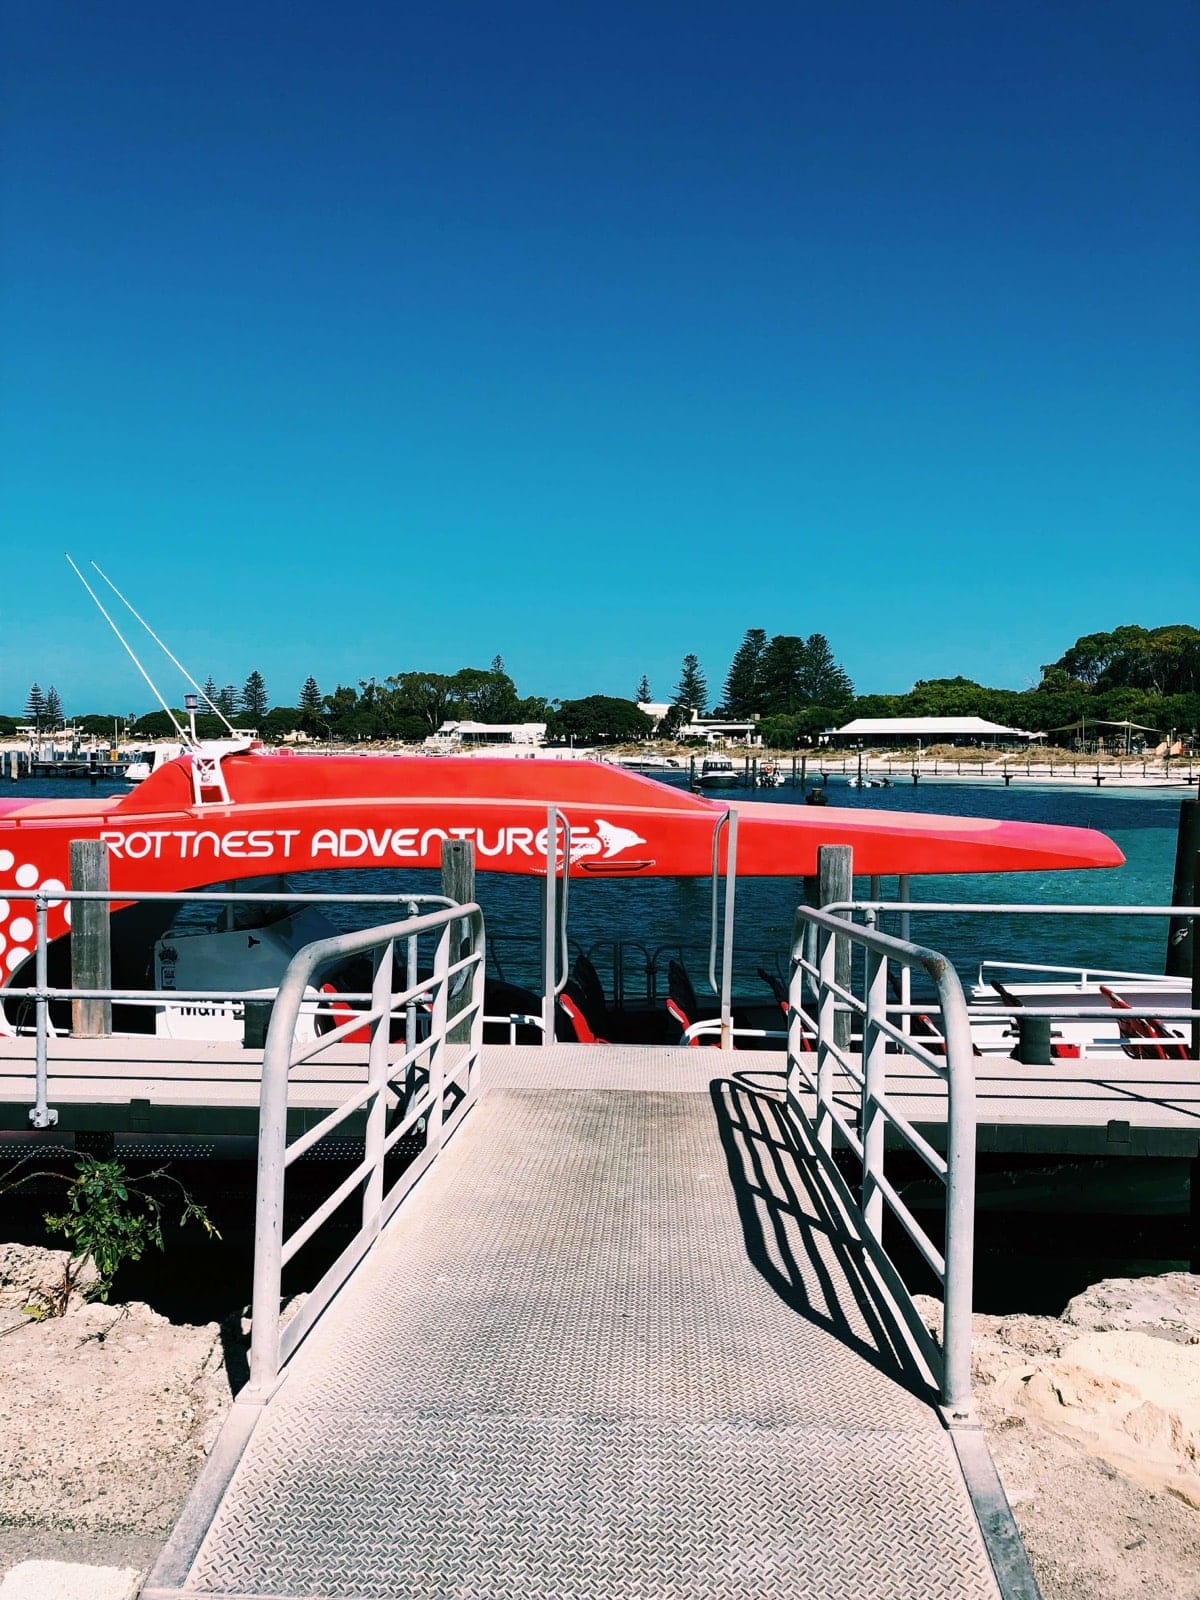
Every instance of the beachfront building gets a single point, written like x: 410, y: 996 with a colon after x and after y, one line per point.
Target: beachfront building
x: 460, y: 735
x: 712, y: 730
x: 907, y: 732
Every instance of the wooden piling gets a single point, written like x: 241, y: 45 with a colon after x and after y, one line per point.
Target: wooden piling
x: 458, y: 884
x: 91, y: 951
x: 835, y: 882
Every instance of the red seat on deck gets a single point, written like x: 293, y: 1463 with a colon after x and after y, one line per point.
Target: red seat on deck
x: 1145, y: 1038
x: 343, y: 1012
x: 572, y: 1011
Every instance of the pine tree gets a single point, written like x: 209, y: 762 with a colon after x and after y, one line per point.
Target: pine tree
x: 743, y: 683
x: 797, y: 672
x: 210, y: 696
x: 226, y: 700
x: 691, y: 690
x: 35, y: 707
x: 310, y: 696
x: 643, y: 690
x: 823, y: 681
x: 54, y: 710
x: 254, y: 698
x: 781, y: 672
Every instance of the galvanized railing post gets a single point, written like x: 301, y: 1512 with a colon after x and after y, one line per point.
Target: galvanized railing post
x: 40, y: 1115
x: 550, y: 926
x: 479, y: 948
x: 437, y: 1035
x: 960, y: 1198
x: 268, y: 1217
x: 554, y: 919
x: 826, y: 1013
x: 725, y: 988
x: 874, y: 1060
x: 410, y: 1010
x: 377, y: 1078
x: 903, y: 894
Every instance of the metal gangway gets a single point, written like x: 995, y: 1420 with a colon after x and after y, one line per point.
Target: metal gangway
x: 623, y: 1328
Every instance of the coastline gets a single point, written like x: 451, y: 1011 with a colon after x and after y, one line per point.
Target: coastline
x: 672, y: 762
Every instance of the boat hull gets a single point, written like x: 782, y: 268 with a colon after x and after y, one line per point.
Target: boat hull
x: 293, y: 813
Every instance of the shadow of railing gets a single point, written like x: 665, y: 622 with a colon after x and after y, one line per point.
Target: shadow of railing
x: 799, y: 1241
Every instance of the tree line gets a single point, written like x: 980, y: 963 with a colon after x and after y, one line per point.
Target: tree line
x: 792, y: 685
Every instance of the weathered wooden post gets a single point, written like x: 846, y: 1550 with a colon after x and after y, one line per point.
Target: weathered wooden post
x: 1181, y: 932
x: 835, y: 883
x: 458, y: 884
x: 91, y: 952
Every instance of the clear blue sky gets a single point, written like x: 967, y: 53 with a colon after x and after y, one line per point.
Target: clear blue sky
x: 358, y: 338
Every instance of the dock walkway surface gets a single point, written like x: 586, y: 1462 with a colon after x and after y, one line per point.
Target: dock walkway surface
x: 146, y: 1090
x: 615, y: 1343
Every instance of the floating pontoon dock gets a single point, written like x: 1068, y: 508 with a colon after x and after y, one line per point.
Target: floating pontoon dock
x: 140, y: 1088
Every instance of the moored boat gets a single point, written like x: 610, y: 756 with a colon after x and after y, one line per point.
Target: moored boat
x: 718, y: 772
x: 149, y: 760
x: 232, y: 811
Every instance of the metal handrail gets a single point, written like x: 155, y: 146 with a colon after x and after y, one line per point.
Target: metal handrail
x: 725, y: 988
x: 554, y: 929
x: 1080, y: 974
x: 270, y: 1345
x: 41, y: 1115
x: 871, y: 908
x: 1015, y: 909
x: 951, y: 1361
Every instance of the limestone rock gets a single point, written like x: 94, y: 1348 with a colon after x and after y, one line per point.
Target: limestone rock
x: 1165, y: 1307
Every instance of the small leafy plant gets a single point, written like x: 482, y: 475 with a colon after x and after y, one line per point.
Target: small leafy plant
x: 109, y: 1219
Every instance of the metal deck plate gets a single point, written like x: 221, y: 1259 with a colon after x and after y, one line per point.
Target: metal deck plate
x: 611, y: 1346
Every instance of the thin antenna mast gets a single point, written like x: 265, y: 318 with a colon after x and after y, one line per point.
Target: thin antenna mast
x: 185, y: 738
x: 214, y: 708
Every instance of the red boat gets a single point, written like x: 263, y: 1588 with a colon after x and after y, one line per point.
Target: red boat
x: 230, y: 812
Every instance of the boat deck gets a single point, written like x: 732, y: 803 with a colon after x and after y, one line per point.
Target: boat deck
x: 615, y: 1343
x: 145, y: 1088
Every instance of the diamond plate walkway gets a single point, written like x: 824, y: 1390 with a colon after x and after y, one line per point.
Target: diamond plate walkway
x: 613, y: 1345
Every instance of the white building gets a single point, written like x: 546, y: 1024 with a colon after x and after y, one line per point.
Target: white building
x: 455, y: 735
x: 713, y: 730
x: 908, y: 731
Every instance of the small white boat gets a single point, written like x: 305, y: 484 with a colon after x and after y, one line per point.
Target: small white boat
x: 243, y: 949
x: 718, y: 772
x: 149, y: 760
